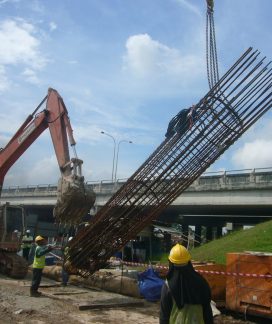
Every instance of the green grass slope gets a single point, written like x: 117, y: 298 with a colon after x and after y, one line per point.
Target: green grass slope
x: 258, y: 238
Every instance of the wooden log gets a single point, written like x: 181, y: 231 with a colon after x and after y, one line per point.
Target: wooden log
x: 52, y: 272
x: 105, y: 280
x: 115, y: 283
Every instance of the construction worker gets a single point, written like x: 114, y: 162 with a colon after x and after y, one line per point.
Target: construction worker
x: 39, y: 262
x: 185, y: 296
x: 26, y: 244
x: 15, y: 235
x: 64, y: 273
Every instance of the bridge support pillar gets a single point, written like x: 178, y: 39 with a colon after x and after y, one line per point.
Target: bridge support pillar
x: 167, y: 242
x: 185, y: 234
x: 209, y: 233
x: 218, y: 231
x: 198, y: 229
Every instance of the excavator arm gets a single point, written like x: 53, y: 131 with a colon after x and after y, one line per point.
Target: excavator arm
x: 74, y: 200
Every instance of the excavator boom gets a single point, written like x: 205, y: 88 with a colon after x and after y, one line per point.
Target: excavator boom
x: 73, y: 200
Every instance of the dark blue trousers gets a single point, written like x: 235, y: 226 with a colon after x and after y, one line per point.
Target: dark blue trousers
x: 36, y: 279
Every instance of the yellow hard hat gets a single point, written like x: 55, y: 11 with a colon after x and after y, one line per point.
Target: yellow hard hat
x: 179, y: 255
x: 39, y: 238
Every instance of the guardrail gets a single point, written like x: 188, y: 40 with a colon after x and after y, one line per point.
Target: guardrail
x: 210, y: 180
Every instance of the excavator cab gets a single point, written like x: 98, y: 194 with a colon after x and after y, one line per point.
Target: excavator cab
x: 12, y: 223
x: 11, y: 227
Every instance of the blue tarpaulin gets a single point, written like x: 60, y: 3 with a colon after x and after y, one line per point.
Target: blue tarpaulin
x: 150, y: 285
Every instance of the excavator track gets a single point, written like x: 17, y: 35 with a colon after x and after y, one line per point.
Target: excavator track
x: 13, y: 265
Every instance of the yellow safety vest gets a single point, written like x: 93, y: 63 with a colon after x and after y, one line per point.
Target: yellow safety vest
x: 189, y: 314
x: 66, y: 252
x: 27, y: 241
x: 39, y: 262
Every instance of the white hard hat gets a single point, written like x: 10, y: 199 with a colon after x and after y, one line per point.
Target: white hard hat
x: 70, y: 238
x: 15, y: 231
x: 27, y: 231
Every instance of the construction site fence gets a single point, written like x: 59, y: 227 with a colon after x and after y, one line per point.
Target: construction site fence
x: 224, y: 273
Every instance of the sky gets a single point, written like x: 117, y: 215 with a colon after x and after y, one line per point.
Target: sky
x: 124, y: 67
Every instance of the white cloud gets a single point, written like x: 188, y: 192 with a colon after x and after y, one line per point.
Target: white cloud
x: 4, y: 83
x: 23, y: 174
x: 188, y: 5
x: 148, y: 58
x: 30, y: 76
x: 255, y: 154
x: 19, y: 45
x: 2, y: 2
x: 73, y: 62
x: 37, y: 6
x: 143, y: 53
x: 52, y: 26
x: 50, y: 173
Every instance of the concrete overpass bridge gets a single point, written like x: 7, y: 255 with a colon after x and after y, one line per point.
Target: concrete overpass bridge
x: 241, y: 197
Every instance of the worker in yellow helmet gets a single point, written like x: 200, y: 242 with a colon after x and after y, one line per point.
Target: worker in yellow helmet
x: 38, y: 264
x: 186, y: 295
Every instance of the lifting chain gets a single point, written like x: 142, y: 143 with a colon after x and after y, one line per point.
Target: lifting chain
x: 211, y: 52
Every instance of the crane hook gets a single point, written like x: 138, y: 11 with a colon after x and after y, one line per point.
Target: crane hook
x: 210, y: 4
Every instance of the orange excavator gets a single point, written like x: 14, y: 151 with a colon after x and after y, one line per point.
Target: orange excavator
x: 74, y: 199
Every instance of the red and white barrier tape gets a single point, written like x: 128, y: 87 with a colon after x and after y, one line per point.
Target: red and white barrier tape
x: 249, y: 275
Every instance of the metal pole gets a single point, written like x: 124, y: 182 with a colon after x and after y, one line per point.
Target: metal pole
x: 117, y: 155
x: 114, y: 149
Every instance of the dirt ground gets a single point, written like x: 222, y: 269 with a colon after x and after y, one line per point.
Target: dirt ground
x: 61, y: 305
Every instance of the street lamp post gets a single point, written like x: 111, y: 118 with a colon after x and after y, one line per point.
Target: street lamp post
x: 117, y: 155
x: 114, y: 149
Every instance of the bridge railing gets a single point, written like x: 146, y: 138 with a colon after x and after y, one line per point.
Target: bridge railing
x: 208, y: 181
x: 234, y: 178
x: 30, y: 190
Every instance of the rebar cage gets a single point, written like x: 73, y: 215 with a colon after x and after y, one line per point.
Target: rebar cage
x: 235, y: 103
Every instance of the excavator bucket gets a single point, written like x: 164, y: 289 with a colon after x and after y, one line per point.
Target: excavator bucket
x: 74, y: 200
